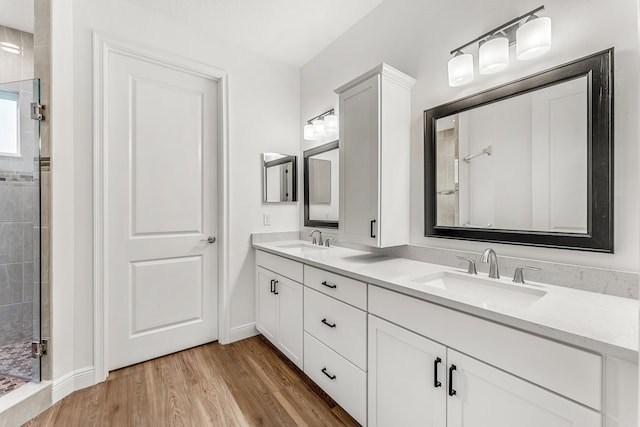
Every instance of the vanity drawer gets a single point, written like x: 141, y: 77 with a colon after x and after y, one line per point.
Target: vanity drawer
x: 571, y: 372
x: 283, y: 266
x: 342, y: 380
x: 349, y: 335
x: 343, y: 288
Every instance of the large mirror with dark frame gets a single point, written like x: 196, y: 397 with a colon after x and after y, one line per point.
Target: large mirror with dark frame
x: 280, y: 182
x: 529, y: 162
x: 321, y: 186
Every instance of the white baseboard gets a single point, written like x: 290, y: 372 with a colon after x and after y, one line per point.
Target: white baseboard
x: 75, y: 380
x: 241, y: 332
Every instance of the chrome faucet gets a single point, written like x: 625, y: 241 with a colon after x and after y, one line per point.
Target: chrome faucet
x: 317, y: 241
x: 489, y: 255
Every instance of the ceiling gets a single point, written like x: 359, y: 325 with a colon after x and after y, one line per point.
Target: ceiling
x: 17, y: 14
x: 291, y: 31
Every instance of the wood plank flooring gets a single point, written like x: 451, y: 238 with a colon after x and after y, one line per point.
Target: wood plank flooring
x: 246, y: 383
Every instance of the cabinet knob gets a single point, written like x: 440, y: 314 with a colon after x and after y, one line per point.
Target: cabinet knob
x: 331, y: 377
x: 452, y: 392
x: 436, y: 362
x: 331, y: 325
x: 329, y: 285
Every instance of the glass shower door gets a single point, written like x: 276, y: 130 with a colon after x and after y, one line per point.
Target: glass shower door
x: 19, y: 232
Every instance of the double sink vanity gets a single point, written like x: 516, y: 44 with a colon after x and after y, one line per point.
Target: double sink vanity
x: 401, y: 342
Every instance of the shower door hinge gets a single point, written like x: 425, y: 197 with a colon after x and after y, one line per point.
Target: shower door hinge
x: 39, y: 349
x: 36, y: 111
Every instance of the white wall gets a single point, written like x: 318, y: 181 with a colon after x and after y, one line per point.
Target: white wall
x: 260, y: 89
x: 416, y: 37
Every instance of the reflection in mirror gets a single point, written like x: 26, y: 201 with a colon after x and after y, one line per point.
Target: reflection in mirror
x: 518, y: 164
x: 280, y: 178
x: 528, y: 162
x: 321, y: 186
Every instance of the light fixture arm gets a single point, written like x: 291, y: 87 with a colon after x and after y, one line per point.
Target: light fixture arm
x: 321, y: 116
x: 502, y: 28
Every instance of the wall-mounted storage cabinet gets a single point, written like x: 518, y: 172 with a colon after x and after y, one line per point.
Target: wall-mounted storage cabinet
x: 375, y: 122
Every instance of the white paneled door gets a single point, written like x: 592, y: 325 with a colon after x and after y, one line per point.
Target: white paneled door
x: 161, y: 213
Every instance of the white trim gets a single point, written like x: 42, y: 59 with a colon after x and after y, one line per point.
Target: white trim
x: 68, y: 383
x: 243, y: 331
x: 102, y: 47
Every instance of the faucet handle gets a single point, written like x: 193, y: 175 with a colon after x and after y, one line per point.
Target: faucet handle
x: 518, y: 275
x: 471, y: 269
x: 327, y: 240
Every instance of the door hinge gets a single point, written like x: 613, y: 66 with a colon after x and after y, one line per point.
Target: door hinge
x: 37, y: 111
x: 39, y: 348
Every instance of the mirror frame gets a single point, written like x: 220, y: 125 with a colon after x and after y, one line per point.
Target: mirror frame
x: 306, y: 154
x: 294, y: 178
x: 599, y: 237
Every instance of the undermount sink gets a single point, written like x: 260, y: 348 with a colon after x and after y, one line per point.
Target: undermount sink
x: 302, y: 248
x: 483, y: 291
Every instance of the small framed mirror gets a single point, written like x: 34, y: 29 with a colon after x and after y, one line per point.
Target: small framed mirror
x: 321, y: 186
x: 529, y: 162
x: 280, y: 181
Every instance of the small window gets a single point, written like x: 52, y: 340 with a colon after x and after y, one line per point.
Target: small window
x: 9, y: 123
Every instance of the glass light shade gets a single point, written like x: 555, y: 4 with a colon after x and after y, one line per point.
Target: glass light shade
x: 460, y: 69
x: 533, y: 38
x: 308, y: 132
x: 318, y: 129
x: 331, y: 124
x: 493, y: 55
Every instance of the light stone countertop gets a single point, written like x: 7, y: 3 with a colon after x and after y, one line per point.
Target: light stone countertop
x: 601, y: 323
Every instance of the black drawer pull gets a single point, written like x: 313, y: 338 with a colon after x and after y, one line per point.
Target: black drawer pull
x: 452, y: 392
x: 327, y: 323
x: 272, y: 285
x: 329, y: 285
x: 373, y: 221
x: 331, y: 377
x: 436, y: 383
x: 275, y: 283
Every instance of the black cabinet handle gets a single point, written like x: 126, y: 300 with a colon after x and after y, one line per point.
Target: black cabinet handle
x: 331, y: 377
x: 329, y: 285
x: 452, y: 392
x: 373, y: 221
x: 272, y: 285
x: 436, y: 383
x: 327, y: 323
x: 275, y: 283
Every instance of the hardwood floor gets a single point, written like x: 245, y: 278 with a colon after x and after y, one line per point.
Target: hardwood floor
x: 242, y: 384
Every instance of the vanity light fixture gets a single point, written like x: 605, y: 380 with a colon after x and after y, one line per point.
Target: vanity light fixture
x: 321, y: 126
x: 533, y: 38
x: 530, y: 33
x: 493, y: 55
x: 460, y: 69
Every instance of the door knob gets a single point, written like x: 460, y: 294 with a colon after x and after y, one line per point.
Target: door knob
x: 209, y: 239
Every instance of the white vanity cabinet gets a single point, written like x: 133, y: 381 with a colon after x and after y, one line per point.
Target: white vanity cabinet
x: 427, y: 382
x: 406, y: 377
x: 335, y: 338
x: 279, y: 304
x: 375, y: 121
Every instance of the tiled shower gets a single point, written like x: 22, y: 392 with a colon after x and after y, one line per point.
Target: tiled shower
x: 19, y: 216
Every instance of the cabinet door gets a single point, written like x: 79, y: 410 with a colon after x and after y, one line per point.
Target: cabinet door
x: 485, y: 396
x: 266, y: 304
x: 290, y: 326
x: 403, y: 375
x: 359, y: 148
